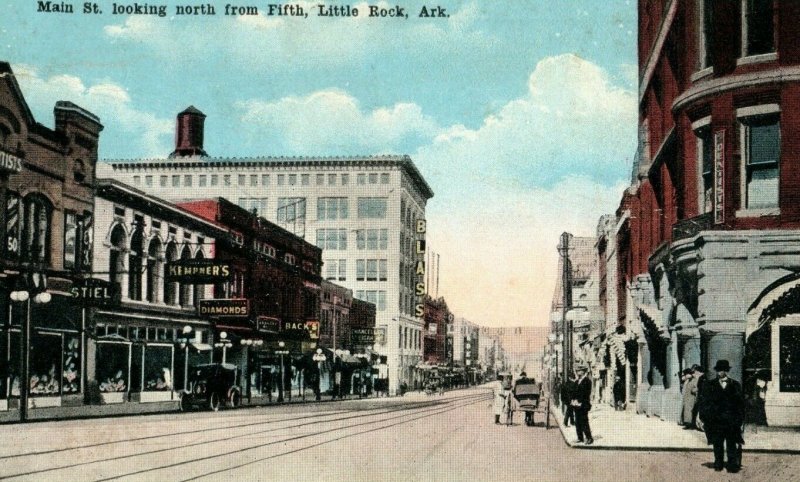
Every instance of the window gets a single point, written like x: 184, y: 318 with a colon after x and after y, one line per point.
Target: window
x: 137, y: 180
x: 378, y: 298
x: 187, y: 180
x: 373, y: 178
x: 176, y: 181
x: 385, y: 178
x: 371, y: 270
x: 148, y: 181
x: 253, y: 180
x: 202, y: 180
x: 762, y: 151
x: 331, y: 179
x: 241, y: 178
x: 292, y: 179
x: 36, y: 213
x: 153, y: 268
x: 305, y: 179
x: 373, y: 238
x: 135, y: 257
x: 226, y: 180
x: 265, y: 179
x: 361, y: 179
x: 336, y: 269
x: 332, y: 208
x: 345, y: 179
x: 214, y: 179
x: 372, y: 207
x: 281, y: 179
x: 705, y: 34
x: 291, y: 209
x: 320, y: 179
x: 332, y: 238
x: 163, y: 181
x: 705, y: 161
x: 758, y: 32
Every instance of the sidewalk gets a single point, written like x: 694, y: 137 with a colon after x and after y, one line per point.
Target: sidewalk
x: 627, y: 430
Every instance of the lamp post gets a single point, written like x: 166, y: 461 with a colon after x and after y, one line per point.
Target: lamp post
x: 223, y: 343
x: 185, y: 340
x: 281, y: 352
x: 566, y: 282
x: 319, y: 357
x: 38, y: 281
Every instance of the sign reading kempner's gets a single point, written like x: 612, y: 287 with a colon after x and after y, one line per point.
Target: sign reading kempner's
x: 225, y: 308
x: 198, y: 271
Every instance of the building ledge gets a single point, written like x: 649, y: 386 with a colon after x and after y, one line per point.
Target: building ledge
x: 757, y: 59
x: 758, y: 213
x: 701, y: 74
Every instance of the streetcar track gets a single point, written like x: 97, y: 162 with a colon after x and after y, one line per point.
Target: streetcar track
x: 449, y: 407
x: 218, y: 425
x: 417, y: 406
x: 318, y: 444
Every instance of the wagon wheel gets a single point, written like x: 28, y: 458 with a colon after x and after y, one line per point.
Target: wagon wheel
x: 213, y: 401
x: 234, y: 399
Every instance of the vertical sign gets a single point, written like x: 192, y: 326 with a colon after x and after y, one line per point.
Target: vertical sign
x: 87, y: 239
x: 70, y: 239
x: 719, y: 177
x: 12, y: 225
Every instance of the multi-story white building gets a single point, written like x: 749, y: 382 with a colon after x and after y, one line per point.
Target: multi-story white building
x: 366, y: 213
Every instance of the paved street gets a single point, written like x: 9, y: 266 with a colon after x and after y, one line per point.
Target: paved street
x: 414, y: 438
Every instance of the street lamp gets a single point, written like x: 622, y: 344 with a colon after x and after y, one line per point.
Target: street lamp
x: 319, y: 357
x: 224, y: 343
x: 185, y: 340
x: 39, y: 281
x: 281, y: 352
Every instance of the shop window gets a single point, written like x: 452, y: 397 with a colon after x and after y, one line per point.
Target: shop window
x: 113, y: 368
x: 762, y: 150
x: 71, y: 374
x: 789, y: 358
x: 758, y: 35
x: 157, y: 368
x: 45, y: 364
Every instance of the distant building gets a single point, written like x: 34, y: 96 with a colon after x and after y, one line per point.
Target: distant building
x: 366, y: 213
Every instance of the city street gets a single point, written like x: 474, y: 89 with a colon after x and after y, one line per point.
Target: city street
x: 414, y: 438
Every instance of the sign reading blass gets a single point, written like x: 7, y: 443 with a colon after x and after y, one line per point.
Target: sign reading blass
x: 198, y: 271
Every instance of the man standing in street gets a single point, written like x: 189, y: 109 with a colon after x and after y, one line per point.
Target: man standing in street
x: 581, y: 404
x: 722, y: 414
x: 567, y: 393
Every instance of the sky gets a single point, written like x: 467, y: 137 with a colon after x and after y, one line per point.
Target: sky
x: 521, y: 115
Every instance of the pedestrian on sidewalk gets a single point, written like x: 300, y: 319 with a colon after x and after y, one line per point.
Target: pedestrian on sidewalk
x: 699, y: 375
x: 722, y: 413
x: 689, y: 399
x: 619, y: 393
x: 500, y: 394
x: 567, y: 391
x: 581, y: 404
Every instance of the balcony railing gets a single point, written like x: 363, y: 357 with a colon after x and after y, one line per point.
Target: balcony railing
x: 692, y: 226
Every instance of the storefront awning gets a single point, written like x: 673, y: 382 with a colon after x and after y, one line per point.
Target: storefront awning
x: 201, y: 346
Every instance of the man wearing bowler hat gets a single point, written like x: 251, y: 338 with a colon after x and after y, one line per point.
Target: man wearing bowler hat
x: 581, y: 404
x: 722, y: 414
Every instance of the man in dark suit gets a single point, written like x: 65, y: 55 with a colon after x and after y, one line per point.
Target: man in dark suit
x: 581, y: 404
x: 722, y: 414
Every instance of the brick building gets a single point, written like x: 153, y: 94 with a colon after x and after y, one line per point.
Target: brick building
x: 711, y: 222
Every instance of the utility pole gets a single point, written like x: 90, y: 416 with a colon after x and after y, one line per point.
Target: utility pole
x: 566, y: 282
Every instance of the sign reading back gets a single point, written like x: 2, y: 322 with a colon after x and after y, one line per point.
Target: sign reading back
x: 198, y: 271
x: 225, y: 308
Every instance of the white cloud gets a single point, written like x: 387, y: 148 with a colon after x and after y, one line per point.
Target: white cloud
x: 108, y: 100
x: 333, y: 121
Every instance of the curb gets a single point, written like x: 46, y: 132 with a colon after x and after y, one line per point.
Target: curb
x: 574, y: 445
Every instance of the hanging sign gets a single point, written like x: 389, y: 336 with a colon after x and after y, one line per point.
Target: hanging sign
x: 719, y: 177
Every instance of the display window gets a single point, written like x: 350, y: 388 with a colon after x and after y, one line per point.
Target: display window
x: 113, y: 366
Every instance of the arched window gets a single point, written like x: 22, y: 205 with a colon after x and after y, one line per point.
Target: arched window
x: 116, y: 263
x: 36, y: 215
x: 199, y: 290
x: 135, y: 265
x: 171, y: 288
x: 79, y: 171
x: 153, y: 270
x: 184, y: 296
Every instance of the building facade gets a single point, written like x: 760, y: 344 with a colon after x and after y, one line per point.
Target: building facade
x: 366, y: 213
x: 46, y: 178
x: 713, y: 214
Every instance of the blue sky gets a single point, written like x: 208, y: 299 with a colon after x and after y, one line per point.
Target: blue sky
x: 520, y: 114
